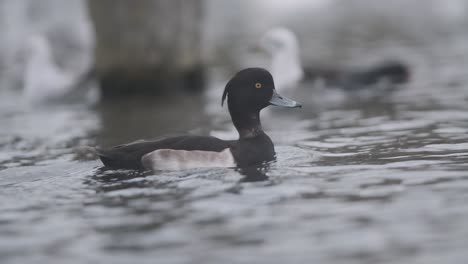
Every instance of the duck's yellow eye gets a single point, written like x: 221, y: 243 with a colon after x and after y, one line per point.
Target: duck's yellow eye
x: 258, y: 85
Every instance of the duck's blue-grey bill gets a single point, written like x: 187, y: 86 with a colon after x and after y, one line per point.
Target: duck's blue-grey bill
x: 279, y: 100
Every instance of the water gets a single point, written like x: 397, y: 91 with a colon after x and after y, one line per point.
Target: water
x: 357, y: 180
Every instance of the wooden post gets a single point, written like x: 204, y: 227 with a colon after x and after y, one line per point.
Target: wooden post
x: 147, y: 46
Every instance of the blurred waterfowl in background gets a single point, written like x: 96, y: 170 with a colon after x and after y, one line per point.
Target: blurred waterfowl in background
x: 383, y: 77
x: 282, y: 46
x: 45, y: 81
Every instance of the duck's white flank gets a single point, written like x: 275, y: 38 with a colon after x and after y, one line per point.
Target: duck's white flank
x: 169, y: 159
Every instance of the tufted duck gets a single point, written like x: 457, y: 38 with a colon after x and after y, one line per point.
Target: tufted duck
x: 248, y: 92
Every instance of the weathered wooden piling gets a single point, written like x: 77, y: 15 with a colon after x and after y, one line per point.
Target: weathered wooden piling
x: 147, y: 46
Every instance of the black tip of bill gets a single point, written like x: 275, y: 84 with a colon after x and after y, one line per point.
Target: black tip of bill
x: 279, y: 100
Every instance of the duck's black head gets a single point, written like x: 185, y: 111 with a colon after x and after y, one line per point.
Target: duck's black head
x: 248, y: 92
x: 253, y: 89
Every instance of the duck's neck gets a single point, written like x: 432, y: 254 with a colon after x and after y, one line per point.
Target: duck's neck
x: 247, y: 123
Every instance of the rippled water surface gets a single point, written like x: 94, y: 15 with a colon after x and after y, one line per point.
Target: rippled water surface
x: 356, y: 181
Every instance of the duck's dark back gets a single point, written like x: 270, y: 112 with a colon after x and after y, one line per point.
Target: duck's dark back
x: 129, y: 155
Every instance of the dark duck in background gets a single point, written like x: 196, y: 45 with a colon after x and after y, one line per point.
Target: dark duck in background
x: 385, y: 75
x: 247, y: 93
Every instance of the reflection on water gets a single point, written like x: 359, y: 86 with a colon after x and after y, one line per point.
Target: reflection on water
x: 136, y: 118
x: 355, y: 181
